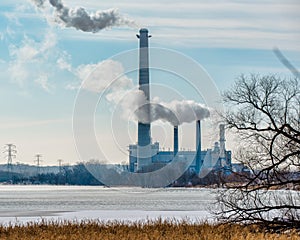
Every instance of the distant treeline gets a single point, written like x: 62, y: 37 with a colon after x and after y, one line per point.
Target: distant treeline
x: 68, y: 175
x: 79, y: 175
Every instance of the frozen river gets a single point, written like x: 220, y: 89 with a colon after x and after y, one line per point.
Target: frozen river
x: 33, y: 203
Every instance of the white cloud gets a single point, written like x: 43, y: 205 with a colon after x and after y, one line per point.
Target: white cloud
x: 103, y: 75
x: 49, y: 42
x: 72, y: 86
x: 64, y: 61
x: 25, y: 53
x: 37, y: 62
x: 12, y: 123
x: 43, y: 81
x: 9, y: 32
x: 18, y: 73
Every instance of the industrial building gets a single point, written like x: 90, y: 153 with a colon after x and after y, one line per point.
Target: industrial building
x: 217, y: 158
x: 146, y: 156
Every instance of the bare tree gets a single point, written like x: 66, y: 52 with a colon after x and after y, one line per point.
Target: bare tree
x: 264, y: 111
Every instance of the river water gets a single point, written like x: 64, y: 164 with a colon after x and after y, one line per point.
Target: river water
x: 36, y: 202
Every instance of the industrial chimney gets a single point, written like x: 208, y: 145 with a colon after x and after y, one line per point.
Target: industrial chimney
x: 175, y: 140
x: 144, y: 129
x: 198, y: 146
x: 222, y: 141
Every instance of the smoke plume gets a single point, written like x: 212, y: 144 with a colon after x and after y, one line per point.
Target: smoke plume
x: 175, y: 112
x: 108, y: 77
x: 80, y: 19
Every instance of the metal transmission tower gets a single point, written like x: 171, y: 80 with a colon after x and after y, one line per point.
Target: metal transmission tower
x: 60, y: 164
x: 38, y: 162
x: 10, y: 151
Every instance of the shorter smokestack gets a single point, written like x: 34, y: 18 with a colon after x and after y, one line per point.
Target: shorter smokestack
x: 222, y: 141
x: 175, y: 140
x: 198, y: 146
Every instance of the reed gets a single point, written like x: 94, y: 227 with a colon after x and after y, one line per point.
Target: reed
x: 158, y: 229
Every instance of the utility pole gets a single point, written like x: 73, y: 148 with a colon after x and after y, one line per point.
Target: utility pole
x: 60, y: 164
x: 38, y: 162
x: 10, y: 151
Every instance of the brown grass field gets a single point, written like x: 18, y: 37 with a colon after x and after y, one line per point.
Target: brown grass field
x: 138, y: 230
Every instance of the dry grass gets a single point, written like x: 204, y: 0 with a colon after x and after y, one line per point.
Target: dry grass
x: 139, y: 230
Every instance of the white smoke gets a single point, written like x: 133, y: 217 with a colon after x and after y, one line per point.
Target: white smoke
x: 188, y: 110
x: 175, y: 112
x: 80, y: 19
x: 108, y: 76
x: 38, y: 3
x: 129, y: 101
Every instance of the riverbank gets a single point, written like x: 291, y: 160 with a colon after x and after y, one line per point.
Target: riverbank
x: 17, y: 218
x: 158, y: 229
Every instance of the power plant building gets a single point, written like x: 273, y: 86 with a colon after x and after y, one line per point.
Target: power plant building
x: 146, y: 156
x: 217, y: 158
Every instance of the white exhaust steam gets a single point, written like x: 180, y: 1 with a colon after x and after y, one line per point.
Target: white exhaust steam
x: 108, y: 77
x: 175, y: 112
x: 80, y: 19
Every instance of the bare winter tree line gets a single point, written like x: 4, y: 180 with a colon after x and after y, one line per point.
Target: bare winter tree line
x: 264, y: 112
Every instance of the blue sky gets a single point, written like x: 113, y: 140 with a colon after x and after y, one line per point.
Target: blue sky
x: 42, y: 61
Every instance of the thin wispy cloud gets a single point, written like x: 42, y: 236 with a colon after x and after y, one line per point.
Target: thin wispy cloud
x: 247, y: 24
x: 37, y: 62
x: 43, y: 81
x: 27, y: 124
x: 225, y: 24
x: 211, y: 24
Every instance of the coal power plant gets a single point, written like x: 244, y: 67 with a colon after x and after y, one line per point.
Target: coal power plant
x: 146, y: 156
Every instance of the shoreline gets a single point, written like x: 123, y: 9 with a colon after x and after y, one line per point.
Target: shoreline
x: 103, y: 215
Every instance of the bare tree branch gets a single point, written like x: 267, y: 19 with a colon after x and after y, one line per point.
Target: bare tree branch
x: 265, y: 112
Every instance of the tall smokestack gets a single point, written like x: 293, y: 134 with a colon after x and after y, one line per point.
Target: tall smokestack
x: 175, y: 140
x: 222, y: 141
x: 198, y: 146
x: 144, y: 130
